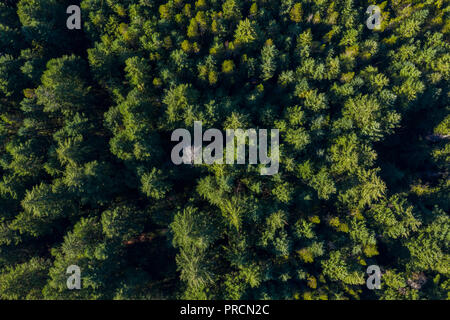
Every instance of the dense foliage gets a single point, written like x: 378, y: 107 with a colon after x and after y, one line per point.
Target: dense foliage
x: 86, y: 177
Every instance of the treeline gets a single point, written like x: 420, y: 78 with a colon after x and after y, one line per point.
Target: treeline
x: 86, y: 177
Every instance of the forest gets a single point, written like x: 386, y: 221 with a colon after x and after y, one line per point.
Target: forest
x: 86, y: 177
